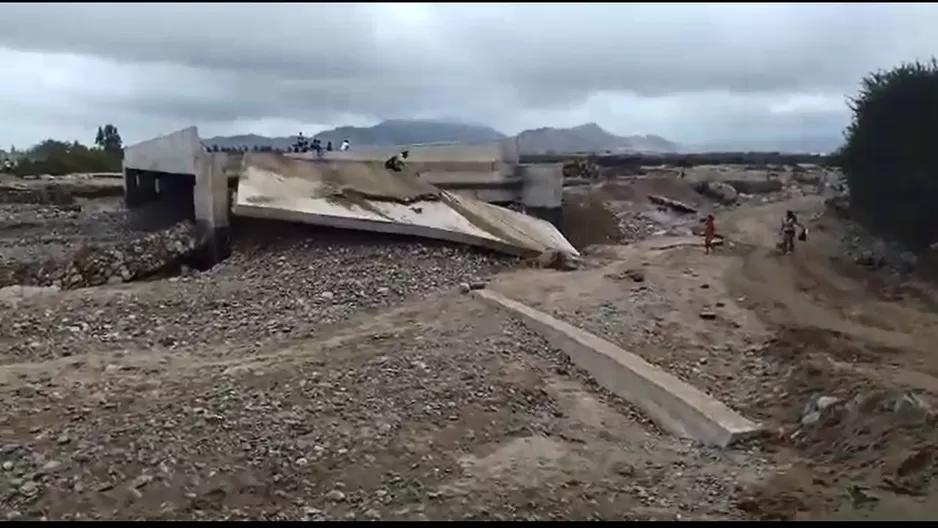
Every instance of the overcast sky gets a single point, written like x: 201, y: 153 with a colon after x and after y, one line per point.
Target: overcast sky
x: 694, y: 73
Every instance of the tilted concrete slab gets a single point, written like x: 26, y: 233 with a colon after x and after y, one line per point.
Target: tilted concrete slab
x: 364, y: 195
x: 674, y: 405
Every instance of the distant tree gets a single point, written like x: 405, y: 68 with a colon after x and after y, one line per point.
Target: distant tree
x: 59, y: 157
x: 889, y: 157
x: 109, y: 139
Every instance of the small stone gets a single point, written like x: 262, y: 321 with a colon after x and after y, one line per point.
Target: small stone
x: 335, y: 495
x: 29, y: 488
x: 465, y: 287
x: 327, y: 296
x: 825, y: 401
x: 810, y: 418
x: 63, y: 439
x: 7, y: 465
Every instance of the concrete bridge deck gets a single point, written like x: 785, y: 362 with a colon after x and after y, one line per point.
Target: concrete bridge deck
x: 174, y: 176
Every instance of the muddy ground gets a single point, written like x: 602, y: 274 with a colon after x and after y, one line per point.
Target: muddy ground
x: 771, y: 336
x: 264, y: 389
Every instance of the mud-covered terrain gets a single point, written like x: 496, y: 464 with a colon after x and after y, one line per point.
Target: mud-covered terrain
x: 327, y: 375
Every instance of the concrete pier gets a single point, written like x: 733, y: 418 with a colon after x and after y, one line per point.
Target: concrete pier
x: 172, y: 178
x: 542, y: 192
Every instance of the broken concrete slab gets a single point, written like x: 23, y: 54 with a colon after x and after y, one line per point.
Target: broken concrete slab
x: 674, y: 405
x: 364, y: 195
x: 677, y: 205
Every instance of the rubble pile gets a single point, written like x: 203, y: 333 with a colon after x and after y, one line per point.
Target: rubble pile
x: 581, y: 168
x: 97, y: 265
x: 18, y: 215
x: 723, y: 193
x: 47, y: 195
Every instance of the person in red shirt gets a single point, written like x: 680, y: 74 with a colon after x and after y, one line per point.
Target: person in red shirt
x: 710, y: 230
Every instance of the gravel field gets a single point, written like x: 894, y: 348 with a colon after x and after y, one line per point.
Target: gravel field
x: 273, y: 288
x: 321, y: 374
x: 30, y: 232
x: 441, y: 409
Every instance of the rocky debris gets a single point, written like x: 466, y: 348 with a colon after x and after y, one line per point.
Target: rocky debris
x: 904, y: 408
x: 634, y: 275
x: 676, y: 205
x: 635, y: 226
x: 355, y: 433
x: 12, y: 217
x: 800, y: 175
x: 46, y: 195
x: 273, y: 288
x: 95, y: 266
x: 815, y: 406
x: 581, y: 168
x: 31, y: 233
x: 872, y: 252
x: 555, y: 259
x: 756, y: 186
x: 60, y: 191
x: 839, y: 205
x: 467, y: 287
x: 13, y: 295
x: 722, y: 192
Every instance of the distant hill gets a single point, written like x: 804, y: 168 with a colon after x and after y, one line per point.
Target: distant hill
x: 385, y: 133
x: 588, y: 138
x: 584, y: 138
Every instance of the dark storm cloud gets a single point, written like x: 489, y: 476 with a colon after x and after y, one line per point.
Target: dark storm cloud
x: 484, y: 62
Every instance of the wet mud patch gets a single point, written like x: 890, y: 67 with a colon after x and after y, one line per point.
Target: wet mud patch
x: 865, y: 439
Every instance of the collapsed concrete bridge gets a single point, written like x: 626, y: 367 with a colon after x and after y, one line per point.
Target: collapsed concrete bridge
x: 447, y: 193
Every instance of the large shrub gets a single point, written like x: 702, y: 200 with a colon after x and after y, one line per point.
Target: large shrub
x: 890, y: 157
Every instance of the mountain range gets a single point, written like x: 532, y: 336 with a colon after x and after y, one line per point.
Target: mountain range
x: 584, y: 138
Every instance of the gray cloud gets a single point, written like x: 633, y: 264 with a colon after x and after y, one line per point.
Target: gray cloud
x: 686, y: 71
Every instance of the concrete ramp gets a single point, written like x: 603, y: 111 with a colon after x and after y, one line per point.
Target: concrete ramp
x: 354, y: 194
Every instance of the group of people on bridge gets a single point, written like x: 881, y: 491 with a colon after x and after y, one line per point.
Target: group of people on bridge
x: 303, y: 144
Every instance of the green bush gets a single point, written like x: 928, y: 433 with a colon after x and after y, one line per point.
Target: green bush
x: 890, y: 158
x: 59, y: 157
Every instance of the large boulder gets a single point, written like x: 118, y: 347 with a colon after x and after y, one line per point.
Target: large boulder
x: 721, y: 192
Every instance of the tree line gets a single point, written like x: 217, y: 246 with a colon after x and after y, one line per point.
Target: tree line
x: 58, y: 158
x: 890, y: 159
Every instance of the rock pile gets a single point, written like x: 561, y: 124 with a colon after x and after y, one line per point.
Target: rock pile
x: 581, y: 168
x: 96, y: 265
x: 724, y: 193
x: 18, y: 215
x: 37, y: 195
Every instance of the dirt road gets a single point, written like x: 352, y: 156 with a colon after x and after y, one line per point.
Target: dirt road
x: 770, y: 335
x: 442, y: 409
